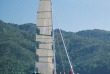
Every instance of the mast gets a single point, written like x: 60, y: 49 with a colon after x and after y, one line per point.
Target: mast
x: 44, y: 39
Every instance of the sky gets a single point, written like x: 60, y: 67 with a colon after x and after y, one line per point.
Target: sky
x: 72, y: 15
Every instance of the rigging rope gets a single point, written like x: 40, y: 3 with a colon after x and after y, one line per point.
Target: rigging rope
x: 35, y: 67
x: 63, y: 42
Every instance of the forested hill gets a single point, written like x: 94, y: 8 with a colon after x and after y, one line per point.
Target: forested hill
x: 17, y: 43
x: 89, y: 50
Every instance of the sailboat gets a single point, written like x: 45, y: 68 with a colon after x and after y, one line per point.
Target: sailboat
x: 45, y: 62
x: 45, y: 59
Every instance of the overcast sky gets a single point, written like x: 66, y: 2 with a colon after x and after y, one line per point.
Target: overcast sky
x: 72, y: 15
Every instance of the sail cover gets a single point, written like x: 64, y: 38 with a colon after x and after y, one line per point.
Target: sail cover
x: 44, y: 41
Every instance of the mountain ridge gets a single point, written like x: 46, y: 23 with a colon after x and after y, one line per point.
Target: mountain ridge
x: 89, y: 50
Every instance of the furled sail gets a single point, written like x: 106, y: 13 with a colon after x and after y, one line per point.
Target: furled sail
x: 44, y: 41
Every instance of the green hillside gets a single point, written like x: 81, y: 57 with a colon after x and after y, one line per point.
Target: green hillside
x: 16, y: 49
x: 89, y: 50
x: 89, y: 54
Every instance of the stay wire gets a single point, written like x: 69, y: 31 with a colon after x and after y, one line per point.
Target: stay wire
x: 54, y: 51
